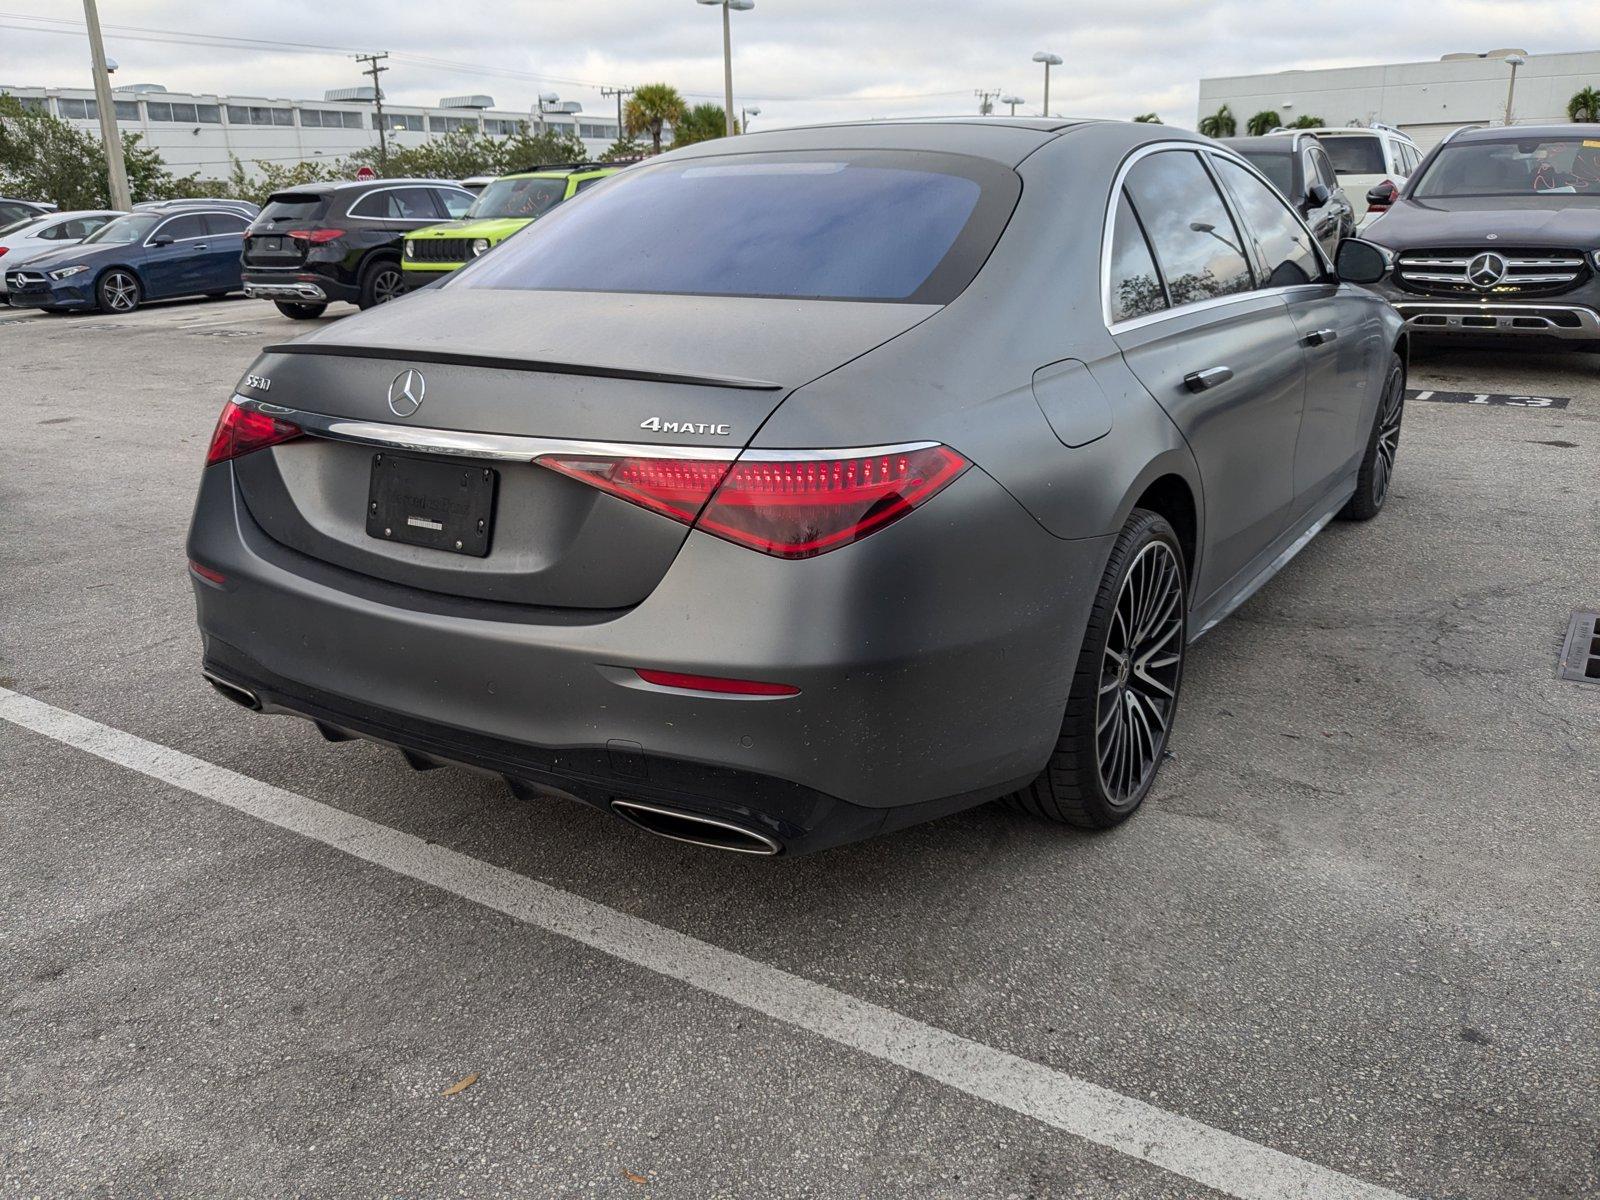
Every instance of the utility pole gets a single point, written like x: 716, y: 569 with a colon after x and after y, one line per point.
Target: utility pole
x: 373, y: 69
x: 117, y: 170
x: 619, y: 93
x: 985, y: 101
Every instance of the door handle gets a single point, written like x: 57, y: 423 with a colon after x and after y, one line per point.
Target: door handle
x: 1320, y: 337
x: 1200, y: 381
x: 202, y: 246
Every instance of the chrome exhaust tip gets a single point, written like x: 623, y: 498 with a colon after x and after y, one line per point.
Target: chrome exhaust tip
x: 679, y: 826
x: 241, y: 696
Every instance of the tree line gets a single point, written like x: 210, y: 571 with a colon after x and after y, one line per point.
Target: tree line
x: 43, y: 157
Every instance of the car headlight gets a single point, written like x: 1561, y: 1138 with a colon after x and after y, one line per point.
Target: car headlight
x: 411, y: 248
x: 68, y: 272
x: 1595, y: 254
x: 480, y: 246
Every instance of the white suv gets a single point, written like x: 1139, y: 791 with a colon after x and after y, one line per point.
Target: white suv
x: 1371, y: 161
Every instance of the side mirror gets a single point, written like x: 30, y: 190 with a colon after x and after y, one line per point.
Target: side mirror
x: 1359, y: 261
x: 1383, y: 195
x: 1318, y: 194
x: 162, y: 239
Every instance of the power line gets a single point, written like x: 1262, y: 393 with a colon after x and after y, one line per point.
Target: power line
x: 139, y: 33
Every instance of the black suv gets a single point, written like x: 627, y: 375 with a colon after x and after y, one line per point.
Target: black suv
x: 1299, y: 167
x: 341, y: 241
x: 1498, y: 235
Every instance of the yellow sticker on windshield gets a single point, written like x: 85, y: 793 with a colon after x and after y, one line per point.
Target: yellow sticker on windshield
x: 1592, y: 145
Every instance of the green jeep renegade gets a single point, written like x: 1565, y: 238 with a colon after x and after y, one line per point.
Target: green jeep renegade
x: 502, y: 208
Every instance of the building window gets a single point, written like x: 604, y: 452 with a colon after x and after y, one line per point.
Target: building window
x: 33, y: 103
x: 78, y: 110
x: 451, y: 124
x: 127, y: 110
x: 411, y: 123
x: 238, y: 114
x: 184, y: 114
x: 208, y: 114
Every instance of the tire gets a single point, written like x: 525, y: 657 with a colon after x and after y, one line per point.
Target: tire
x: 1383, y: 444
x: 1119, y: 717
x: 300, y: 312
x: 118, y: 291
x: 381, y: 282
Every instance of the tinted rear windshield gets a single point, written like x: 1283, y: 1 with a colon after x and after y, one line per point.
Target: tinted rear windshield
x: 293, y: 206
x: 1355, y: 155
x: 1552, y: 167
x: 867, y: 225
x: 1277, y: 167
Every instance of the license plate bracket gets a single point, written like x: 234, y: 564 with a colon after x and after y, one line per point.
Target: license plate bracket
x: 431, y: 502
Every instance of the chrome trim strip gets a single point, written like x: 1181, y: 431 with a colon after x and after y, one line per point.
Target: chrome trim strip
x: 1588, y: 326
x: 506, y: 447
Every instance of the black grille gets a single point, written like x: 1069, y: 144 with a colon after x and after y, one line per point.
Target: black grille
x: 436, y: 250
x: 1580, y: 655
x: 1523, y: 270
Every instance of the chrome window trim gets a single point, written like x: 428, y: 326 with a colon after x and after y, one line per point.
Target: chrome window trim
x: 1108, y: 230
x: 505, y: 447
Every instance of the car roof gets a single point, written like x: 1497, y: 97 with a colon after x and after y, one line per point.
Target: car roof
x: 1498, y: 133
x: 1006, y: 140
x: 1275, y: 142
x: 331, y: 187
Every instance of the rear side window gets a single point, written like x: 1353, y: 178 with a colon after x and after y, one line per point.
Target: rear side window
x: 1197, y: 247
x: 1326, y: 175
x: 1284, y: 243
x: 181, y: 228
x: 1277, y: 167
x: 291, y: 206
x: 1355, y: 155
x: 398, y: 204
x: 222, y: 223
x: 849, y: 225
x: 454, y: 203
x: 1135, y: 284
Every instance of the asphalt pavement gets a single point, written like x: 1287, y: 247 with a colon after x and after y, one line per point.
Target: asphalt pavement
x: 1350, y: 942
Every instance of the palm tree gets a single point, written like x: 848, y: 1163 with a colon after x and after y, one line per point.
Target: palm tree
x: 1585, y: 106
x: 702, y: 123
x: 650, y: 108
x: 1307, y: 121
x: 1219, y: 124
x: 1149, y: 119
x: 1264, y: 121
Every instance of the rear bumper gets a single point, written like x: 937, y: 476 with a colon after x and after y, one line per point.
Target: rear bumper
x: 299, y: 286
x: 933, y: 675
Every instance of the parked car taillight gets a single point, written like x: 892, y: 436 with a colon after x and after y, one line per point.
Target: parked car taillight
x: 315, y: 236
x: 239, y: 431
x: 778, y: 502
x: 1381, y: 197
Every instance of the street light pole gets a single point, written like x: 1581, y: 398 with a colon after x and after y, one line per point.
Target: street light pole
x: 1049, y: 60
x: 1013, y: 101
x: 744, y: 117
x: 116, y: 169
x: 727, y: 53
x: 619, y: 93
x: 1513, y: 61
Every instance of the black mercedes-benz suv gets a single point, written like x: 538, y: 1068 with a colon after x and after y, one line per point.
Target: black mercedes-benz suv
x: 341, y: 241
x: 1498, y: 235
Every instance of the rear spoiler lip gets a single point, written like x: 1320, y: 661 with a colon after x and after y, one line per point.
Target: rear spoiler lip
x: 541, y: 366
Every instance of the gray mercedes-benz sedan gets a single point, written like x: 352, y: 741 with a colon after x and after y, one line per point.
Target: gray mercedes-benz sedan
x: 796, y: 487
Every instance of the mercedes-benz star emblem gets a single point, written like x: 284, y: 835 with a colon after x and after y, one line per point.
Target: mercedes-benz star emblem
x: 1483, y: 272
x: 406, y: 393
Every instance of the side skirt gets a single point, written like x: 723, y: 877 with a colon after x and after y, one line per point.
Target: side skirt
x: 1297, y: 541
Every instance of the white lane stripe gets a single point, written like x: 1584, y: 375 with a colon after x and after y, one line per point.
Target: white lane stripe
x: 1185, y: 1147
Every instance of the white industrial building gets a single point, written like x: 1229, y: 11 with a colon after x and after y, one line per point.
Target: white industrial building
x: 1425, y: 99
x: 203, y: 134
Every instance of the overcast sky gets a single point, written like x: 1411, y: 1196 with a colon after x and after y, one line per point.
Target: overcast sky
x: 799, y: 60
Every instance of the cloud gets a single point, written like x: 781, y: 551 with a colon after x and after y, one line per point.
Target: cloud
x: 799, y: 60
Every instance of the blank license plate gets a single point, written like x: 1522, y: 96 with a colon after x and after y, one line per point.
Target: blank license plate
x: 428, y: 502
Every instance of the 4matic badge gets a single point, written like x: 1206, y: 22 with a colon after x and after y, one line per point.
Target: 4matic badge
x: 657, y: 425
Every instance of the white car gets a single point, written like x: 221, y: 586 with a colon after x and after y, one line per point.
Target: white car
x: 1368, y: 159
x: 35, y: 235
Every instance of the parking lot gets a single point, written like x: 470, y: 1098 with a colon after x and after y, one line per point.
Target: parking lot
x: 1348, y: 948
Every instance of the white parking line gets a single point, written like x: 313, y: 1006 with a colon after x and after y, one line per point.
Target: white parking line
x: 1185, y: 1147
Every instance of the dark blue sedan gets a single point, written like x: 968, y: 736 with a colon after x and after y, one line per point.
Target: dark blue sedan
x: 156, y: 254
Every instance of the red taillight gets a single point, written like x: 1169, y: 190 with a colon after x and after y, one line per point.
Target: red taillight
x: 315, y: 236
x: 715, y: 683
x: 239, y: 431
x: 777, y: 502
x: 3, y: 250
x: 206, y: 573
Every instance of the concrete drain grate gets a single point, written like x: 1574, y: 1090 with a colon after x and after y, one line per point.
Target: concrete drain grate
x: 1580, y: 655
